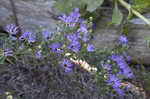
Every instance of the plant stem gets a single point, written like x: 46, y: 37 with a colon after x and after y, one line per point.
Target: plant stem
x: 127, y: 6
x: 15, y: 15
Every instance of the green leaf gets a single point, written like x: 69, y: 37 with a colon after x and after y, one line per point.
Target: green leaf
x: 93, y: 4
x: 2, y: 59
x: 66, y: 6
x: 141, y: 5
x: 117, y: 15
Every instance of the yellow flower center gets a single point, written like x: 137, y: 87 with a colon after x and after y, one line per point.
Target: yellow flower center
x: 105, y: 67
x: 68, y: 23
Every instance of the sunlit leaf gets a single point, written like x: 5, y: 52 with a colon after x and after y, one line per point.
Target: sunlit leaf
x: 117, y: 15
x: 93, y: 4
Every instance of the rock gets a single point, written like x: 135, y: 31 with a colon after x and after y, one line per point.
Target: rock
x: 107, y: 38
x: 30, y: 13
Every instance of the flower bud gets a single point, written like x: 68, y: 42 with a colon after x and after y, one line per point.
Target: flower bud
x: 39, y: 46
x: 91, y: 18
x: 108, y: 61
x: 90, y: 30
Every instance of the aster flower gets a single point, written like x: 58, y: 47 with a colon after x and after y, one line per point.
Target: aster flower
x: 28, y: 35
x: 116, y: 84
x: 120, y: 92
x: 38, y: 54
x: 75, y: 15
x: 82, y: 28
x: 12, y: 29
x: 66, y: 64
x: 85, y: 37
x: 72, y: 19
x: 127, y: 73
x: 31, y: 37
x: 46, y: 34
x: 126, y: 56
x: 90, y: 48
x: 74, y: 46
x: 6, y: 52
x: 54, y: 47
x: 123, y: 40
x: 106, y: 66
x: 68, y: 20
x: 72, y: 37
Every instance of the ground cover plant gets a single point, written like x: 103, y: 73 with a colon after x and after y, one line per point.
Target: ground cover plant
x: 68, y: 43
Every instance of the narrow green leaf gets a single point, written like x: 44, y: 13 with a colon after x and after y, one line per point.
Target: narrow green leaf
x: 2, y: 59
x: 117, y: 15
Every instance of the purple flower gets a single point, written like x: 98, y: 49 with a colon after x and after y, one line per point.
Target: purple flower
x: 66, y: 64
x: 120, y: 92
x: 82, y: 28
x: 12, y: 29
x: 68, y: 20
x: 93, y: 26
x: 23, y: 35
x: 123, y: 40
x: 127, y: 73
x: 75, y: 15
x: 28, y: 35
x: 6, y: 52
x: 54, y: 47
x: 31, y: 37
x: 85, y: 37
x: 74, y: 46
x: 106, y: 66
x: 46, y: 34
x: 90, y: 48
x: 120, y: 61
x: 72, y: 37
x: 116, y: 84
x: 72, y: 19
x: 38, y: 54
x: 122, y: 66
x: 126, y: 56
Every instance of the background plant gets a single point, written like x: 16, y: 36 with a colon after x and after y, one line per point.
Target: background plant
x: 70, y: 40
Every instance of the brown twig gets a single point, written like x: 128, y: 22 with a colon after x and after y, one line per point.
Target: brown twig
x: 15, y: 16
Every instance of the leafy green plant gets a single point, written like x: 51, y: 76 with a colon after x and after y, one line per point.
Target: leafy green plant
x: 70, y: 41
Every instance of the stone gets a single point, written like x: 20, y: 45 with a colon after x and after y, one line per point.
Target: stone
x: 30, y: 13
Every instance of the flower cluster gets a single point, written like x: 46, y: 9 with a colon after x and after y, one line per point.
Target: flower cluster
x: 71, y: 35
x: 113, y: 78
x: 115, y: 82
x: 123, y: 69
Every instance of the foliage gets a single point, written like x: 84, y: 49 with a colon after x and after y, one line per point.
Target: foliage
x: 117, y: 15
x: 70, y: 41
x: 141, y: 5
